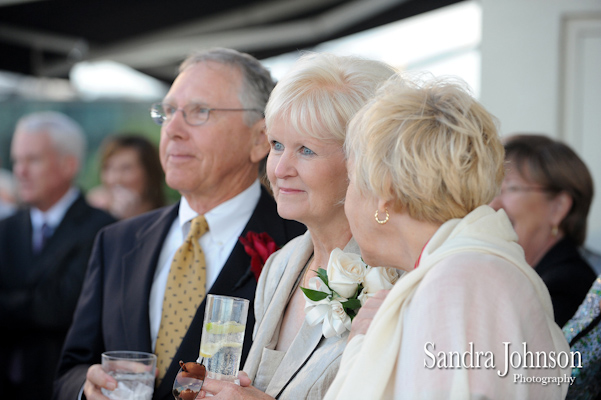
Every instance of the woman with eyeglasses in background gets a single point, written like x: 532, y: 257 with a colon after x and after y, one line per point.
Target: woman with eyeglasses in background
x: 547, y: 193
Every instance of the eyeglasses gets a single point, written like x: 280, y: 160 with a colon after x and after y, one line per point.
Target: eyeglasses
x: 519, y: 189
x: 194, y: 114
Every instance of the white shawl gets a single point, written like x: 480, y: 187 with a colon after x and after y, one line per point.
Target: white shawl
x: 388, y: 362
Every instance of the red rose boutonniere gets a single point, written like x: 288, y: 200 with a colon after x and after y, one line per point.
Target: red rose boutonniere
x: 259, y: 246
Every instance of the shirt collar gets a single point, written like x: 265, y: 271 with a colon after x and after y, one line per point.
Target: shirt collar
x: 56, y: 213
x: 220, y: 218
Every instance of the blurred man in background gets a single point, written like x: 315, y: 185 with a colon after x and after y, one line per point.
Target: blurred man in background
x: 45, y: 251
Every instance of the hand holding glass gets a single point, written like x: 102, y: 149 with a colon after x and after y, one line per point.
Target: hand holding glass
x: 134, y: 372
x: 223, y: 336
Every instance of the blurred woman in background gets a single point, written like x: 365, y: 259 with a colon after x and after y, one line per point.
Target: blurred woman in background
x: 547, y: 194
x: 131, y: 175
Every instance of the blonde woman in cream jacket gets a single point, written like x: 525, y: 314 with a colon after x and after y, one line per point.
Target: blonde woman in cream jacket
x: 425, y: 159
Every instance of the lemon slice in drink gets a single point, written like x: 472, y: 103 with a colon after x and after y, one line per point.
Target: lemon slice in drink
x: 215, y: 328
x: 210, y: 349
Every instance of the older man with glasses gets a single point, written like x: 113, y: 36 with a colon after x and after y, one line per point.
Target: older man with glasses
x: 212, y: 144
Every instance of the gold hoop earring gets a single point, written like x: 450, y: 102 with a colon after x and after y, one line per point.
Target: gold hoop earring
x: 378, y: 220
x: 554, y: 231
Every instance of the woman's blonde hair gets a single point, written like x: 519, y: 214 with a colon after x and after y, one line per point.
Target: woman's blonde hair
x: 322, y: 92
x: 429, y: 147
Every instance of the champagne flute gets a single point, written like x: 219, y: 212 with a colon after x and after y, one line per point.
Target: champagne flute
x: 189, y: 380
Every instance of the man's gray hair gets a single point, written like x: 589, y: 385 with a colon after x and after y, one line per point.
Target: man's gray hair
x: 65, y: 134
x: 257, y: 82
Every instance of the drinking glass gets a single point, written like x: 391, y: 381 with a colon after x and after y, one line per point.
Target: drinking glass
x: 134, y: 372
x: 223, y: 336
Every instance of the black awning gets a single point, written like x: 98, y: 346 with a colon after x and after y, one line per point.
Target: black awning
x: 46, y: 37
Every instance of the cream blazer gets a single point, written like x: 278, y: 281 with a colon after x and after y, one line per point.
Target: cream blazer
x: 309, y: 366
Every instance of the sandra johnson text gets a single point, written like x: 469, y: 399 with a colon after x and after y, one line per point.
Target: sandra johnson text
x: 486, y: 359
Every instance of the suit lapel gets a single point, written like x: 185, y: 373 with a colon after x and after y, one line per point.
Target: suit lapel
x: 236, y: 271
x: 61, y: 242
x: 18, y: 235
x: 304, y: 344
x: 138, y: 267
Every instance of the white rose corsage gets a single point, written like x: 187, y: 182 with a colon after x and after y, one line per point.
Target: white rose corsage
x: 335, y: 295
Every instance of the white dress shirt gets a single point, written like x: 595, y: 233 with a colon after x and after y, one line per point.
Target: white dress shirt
x: 53, y: 216
x: 226, y: 223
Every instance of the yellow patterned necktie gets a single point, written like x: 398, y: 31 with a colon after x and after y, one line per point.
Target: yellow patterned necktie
x: 184, y: 292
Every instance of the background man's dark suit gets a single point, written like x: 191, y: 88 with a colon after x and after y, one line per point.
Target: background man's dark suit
x: 113, y: 310
x: 38, y: 293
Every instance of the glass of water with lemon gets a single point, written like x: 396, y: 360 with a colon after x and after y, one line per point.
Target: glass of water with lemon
x: 223, y: 336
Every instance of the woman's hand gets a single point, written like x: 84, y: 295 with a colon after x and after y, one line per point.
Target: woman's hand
x: 96, y: 379
x: 366, y: 314
x: 228, y: 390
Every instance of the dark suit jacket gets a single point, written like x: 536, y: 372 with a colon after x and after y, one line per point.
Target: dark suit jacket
x: 568, y: 278
x: 38, y: 294
x: 113, y: 311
